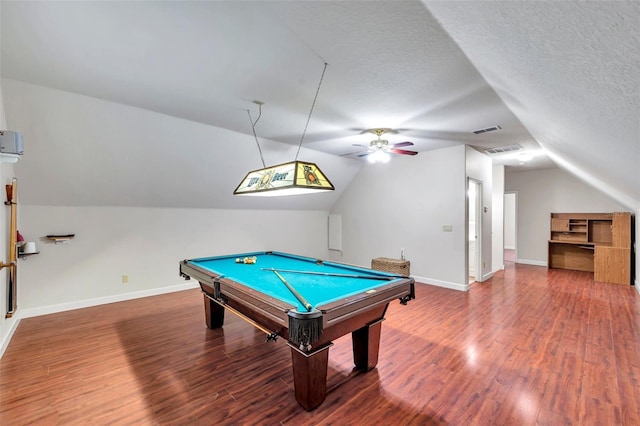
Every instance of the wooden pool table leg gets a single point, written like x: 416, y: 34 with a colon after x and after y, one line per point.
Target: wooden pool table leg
x: 310, y: 376
x: 366, y: 345
x: 213, y: 313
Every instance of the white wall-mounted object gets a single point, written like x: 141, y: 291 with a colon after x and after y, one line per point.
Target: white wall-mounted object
x: 11, y: 146
x: 11, y: 142
x: 27, y: 249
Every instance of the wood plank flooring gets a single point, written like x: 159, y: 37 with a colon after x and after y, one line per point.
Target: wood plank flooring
x: 530, y: 346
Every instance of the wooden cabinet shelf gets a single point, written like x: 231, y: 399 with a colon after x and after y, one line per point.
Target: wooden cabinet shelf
x: 592, y: 242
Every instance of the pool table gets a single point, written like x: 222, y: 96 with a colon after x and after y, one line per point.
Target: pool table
x: 309, y: 302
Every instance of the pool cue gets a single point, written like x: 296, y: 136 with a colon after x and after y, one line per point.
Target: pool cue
x: 330, y: 274
x: 298, y: 296
x: 271, y: 335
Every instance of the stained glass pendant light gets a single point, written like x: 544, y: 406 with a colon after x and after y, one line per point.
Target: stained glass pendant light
x: 293, y: 178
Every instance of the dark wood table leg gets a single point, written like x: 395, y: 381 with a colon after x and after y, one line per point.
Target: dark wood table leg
x: 213, y: 313
x: 366, y: 345
x: 310, y: 376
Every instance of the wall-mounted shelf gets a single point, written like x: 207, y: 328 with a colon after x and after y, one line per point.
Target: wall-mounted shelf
x: 61, y: 238
x: 24, y: 256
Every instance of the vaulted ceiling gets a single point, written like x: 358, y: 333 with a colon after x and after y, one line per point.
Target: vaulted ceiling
x: 558, y: 77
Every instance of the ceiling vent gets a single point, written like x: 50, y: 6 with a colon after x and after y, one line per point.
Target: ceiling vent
x: 487, y: 129
x: 503, y: 149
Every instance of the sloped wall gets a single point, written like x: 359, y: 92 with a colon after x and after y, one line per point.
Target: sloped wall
x: 83, y: 151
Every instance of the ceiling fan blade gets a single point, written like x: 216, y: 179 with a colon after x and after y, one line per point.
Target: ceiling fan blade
x: 399, y: 144
x: 364, y: 154
x: 403, y: 152
x: 352, y: 153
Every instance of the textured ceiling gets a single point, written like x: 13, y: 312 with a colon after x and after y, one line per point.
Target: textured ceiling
x: 570, y: 71
x: 562, y: 75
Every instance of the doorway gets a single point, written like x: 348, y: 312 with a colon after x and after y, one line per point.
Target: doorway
x: 510, y: 215
x: 474, y: 215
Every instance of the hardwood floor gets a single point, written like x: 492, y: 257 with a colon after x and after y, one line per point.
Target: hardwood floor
x: 509, y: 255
x: 530, y: 346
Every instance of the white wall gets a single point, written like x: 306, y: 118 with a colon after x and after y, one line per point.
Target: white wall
x: 146, y: 244
x: 542, y: 192
x: 403, y: 205
x: 479, y: 167
x: 498, y: 219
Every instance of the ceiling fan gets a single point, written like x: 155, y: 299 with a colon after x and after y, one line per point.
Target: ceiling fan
x: 379, y: 149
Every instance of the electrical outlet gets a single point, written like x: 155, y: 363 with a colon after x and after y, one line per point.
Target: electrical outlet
x: 125, y: 279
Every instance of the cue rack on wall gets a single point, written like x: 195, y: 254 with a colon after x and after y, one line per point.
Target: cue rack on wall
x: 12, y: 264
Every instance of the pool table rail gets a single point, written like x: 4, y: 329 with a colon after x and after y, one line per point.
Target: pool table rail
x: 342, y: 309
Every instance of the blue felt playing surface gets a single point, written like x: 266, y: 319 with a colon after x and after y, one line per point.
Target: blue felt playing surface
x: 316, y: 289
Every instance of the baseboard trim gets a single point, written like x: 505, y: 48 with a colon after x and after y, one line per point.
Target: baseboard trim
x: 439, y: 283
x: 531, y: 262
x: 485, y: 277
x: 12, y: 329
x: 79, y: 304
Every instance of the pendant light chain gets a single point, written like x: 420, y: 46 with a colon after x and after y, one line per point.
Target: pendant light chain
x: 311, y: 111
x: 253, y: 127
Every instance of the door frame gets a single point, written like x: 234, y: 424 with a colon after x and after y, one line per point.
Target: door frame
x: 515, y: 223
x: 477, y: 213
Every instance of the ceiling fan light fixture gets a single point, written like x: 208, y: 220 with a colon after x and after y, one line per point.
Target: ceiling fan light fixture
x: 379, y: 156
x: 379, y: 143
x: 379, y: 150
x: 525, y: 156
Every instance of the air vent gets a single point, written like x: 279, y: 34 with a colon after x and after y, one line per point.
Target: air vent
x: 503, y: 149
x: 487, y: 129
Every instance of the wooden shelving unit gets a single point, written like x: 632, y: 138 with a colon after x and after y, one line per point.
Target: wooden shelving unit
x: 592, y: 242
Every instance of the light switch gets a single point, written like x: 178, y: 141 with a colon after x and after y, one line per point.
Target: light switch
x: 447, y: 228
